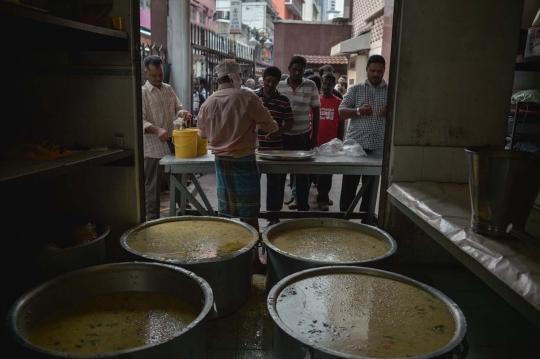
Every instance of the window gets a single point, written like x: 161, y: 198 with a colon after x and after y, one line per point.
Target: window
x: 202, y: 17
x: 193, y: 14
x: 224, y: 15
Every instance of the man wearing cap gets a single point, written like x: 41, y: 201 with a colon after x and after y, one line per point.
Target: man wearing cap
x: 229, y: 119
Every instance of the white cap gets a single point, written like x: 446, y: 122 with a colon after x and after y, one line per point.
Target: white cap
x: 226, y: 67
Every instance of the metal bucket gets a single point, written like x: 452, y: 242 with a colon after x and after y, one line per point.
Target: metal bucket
x: 289, y: 345
x: 503, y: 186
x: 281, y: 263
x: 54, y: 263
x: 229, y: 276
x: 110, y: 278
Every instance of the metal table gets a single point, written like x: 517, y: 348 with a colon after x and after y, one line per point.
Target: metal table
x: 366, y: 165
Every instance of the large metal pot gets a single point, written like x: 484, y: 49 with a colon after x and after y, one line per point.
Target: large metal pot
x: 110, y: 278
x: 503, y: 186
x: 281, y: 263
x: 53, y: 263
x: 290, y: 345
x: 229, y: 276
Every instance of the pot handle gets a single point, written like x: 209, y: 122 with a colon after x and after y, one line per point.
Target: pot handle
x: 308, y: 353
x: 214, y: 310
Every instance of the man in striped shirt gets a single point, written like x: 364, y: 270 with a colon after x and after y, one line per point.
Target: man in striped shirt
x: 280, y: 109
x: 160, y: 107
x: 365, y: 105
x: 303, y: 95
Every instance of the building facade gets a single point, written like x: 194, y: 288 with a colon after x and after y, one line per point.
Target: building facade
x: 371, y: 35
x: 310, y: 39
x: 289, y: 9
x: 311, y: 11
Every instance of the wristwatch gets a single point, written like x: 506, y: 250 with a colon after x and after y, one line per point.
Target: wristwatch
x: 358, y: 111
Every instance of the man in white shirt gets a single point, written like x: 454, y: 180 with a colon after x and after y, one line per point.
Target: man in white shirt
x: 160, y: 107
x: 303, y: 95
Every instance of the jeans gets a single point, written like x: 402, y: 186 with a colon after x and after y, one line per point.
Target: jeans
x: 299, y: 143
x: 323, y: 187
x: 348, y: 192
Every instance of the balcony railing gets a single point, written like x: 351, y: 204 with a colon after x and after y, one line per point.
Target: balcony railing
x: 210, y: 40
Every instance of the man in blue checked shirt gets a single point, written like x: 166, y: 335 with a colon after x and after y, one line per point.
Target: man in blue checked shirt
x: 365, y: 105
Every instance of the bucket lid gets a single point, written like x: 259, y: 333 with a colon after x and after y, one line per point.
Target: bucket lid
x: 360, y: 312
x: 190, y: 239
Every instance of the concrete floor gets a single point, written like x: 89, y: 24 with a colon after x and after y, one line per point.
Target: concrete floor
x: 495, y: 330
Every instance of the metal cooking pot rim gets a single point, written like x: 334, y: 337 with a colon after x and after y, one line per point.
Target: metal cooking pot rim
x: 11, y: 319
x: 461, y: 323
x: 486, y: 151
x: 106, y: 231
x: 177, y: 261
x: 391, y: 250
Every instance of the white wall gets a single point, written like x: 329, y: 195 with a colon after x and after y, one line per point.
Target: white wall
x: 455, y: 71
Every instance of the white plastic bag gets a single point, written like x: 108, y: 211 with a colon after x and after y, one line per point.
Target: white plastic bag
x: 331, y: 148
x: 351, y: 148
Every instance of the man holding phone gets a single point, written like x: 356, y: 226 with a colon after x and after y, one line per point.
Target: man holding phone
x: 365, y: 104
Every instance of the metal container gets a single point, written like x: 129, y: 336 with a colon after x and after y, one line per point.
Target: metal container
x: 54, y: 263
x: 503, y: 186
x: 281, y: 263
x: 229, y: 276
x: 289, y: 345
x: 110, y: 278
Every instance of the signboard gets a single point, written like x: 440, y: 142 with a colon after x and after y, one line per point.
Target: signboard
x: 236, y: 17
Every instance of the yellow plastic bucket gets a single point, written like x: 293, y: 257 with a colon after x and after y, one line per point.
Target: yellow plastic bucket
x: 185, y: 143
x: 202, y: 143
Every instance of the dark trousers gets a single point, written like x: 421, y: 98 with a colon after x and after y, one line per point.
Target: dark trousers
x: 153, y: 172
x: 275, y: 191
x: 323, y: 187
x: 299, y: 143
x: 349, y: 187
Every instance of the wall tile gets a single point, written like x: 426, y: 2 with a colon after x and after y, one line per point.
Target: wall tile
x: 109, y: 96
x: 129, y: 98
x: 77, y: 96
x: 106, y: 127
x: 459, y: 171
x: 437, y: 164
x: 407, y: 164
x: 76, y: 129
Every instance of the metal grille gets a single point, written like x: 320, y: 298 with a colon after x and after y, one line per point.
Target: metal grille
x: 210, y: 48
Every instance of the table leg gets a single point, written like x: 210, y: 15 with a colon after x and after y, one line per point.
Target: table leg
x: 209, y: 208
x: 186, y: 195
x: 172, y: 195
x: 183, y: 180
x: 373, y: 200
x: 365, y: 184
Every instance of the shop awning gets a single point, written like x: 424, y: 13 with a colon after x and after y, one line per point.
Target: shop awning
x: 352, y: 46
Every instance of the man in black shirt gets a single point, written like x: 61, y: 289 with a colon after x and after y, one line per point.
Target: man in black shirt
x: 280, y: 109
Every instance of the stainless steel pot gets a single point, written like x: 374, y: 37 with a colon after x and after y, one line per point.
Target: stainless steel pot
x: 229, y: 276
x: 289, y: 345
x: 503, y: 186
x: 281, y: 263
x: 148, y: 277
x: 54, y: 263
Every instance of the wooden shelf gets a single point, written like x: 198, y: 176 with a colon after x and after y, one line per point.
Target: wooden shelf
x: 23, y: 170
x: 29, y: 27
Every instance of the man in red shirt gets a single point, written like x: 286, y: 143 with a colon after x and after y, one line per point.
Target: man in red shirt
x: 330, y: 126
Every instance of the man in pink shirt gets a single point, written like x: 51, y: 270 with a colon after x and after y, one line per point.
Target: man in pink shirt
x: 229, y: 119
